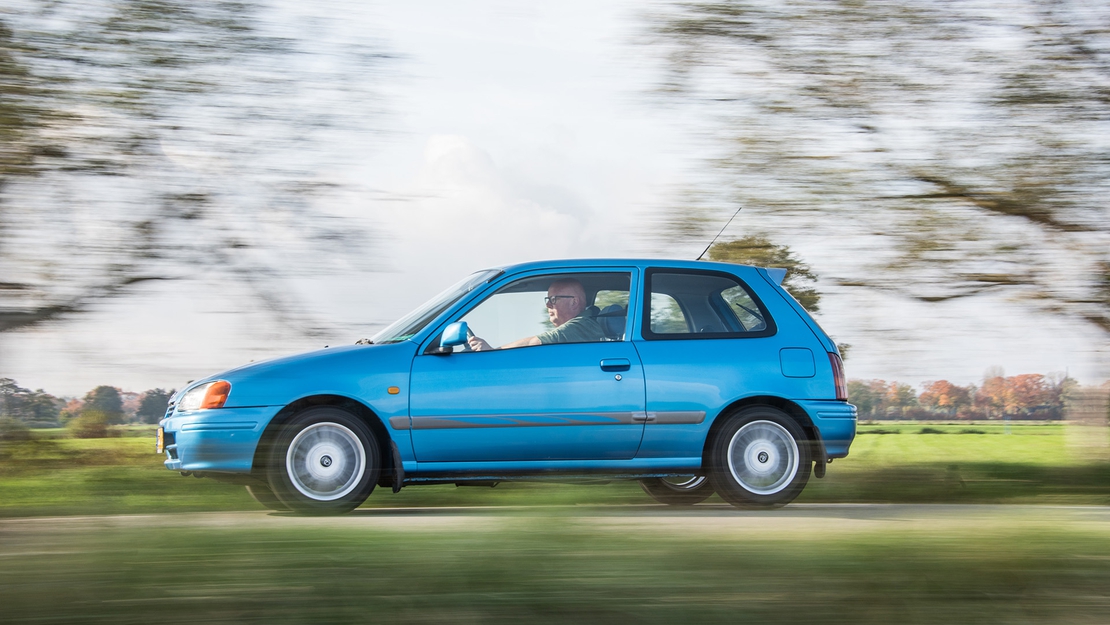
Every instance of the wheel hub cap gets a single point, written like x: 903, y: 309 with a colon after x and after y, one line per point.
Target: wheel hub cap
x: 763, y: 457
x: 326, y: 461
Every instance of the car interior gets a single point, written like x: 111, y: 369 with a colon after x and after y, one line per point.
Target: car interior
x: 517, y: 309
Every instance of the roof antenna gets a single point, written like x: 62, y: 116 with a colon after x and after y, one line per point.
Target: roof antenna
x: 719, y: 233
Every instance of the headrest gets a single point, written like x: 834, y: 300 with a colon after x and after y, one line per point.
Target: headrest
x: 612, y: 320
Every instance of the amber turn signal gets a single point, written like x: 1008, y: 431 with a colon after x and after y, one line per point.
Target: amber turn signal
x: 216, y: 395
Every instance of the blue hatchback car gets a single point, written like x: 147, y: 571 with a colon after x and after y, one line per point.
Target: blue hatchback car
x: 691, y: 377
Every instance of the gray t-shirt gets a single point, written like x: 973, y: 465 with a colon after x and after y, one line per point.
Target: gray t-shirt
x: 582, y: 329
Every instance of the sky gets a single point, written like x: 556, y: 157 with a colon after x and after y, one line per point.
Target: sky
x: 507, y: 133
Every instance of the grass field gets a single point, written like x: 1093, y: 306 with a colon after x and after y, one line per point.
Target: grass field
x: 889, y: 463
x: 992, y: 462
x: 563, y: 565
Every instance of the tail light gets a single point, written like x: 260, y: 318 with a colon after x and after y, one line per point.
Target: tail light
x: 838, y: 377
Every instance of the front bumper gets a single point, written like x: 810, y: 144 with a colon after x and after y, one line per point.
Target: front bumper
x: 836, y: 421
x: 221, y: 439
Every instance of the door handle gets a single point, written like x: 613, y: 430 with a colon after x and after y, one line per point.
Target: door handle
x: 615, y: 364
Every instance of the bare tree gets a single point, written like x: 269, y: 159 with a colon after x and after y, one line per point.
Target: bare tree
x: 145, y: 141
x: 950, y: 148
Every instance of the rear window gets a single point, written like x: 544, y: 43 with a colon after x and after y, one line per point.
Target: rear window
x: 691, y: 304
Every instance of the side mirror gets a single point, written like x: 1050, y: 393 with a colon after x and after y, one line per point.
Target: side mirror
x: 454, y: 334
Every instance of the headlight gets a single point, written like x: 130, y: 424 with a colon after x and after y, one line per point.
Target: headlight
x: 210, y: 395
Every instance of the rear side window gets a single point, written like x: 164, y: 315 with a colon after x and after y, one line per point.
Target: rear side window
x: 691, y: 304
x: 667, y: 316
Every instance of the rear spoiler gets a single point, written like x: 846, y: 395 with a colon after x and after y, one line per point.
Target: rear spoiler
x: 777, y: 274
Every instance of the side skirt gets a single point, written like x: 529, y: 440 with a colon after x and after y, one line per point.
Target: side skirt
x: 548, y: 470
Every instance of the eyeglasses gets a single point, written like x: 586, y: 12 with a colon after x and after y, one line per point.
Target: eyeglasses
x: 549, y: 300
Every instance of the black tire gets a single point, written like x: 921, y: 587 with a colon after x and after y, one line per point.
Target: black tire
x: 263, y: 495
x: 324, y: 461
x: 760, y: 458
x: 684, y: 491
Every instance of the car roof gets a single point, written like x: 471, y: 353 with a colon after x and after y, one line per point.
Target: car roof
x: 585, y: 263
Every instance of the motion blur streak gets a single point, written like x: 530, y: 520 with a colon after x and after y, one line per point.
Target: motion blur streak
x: 839, y: 564
x: 921, y: 151
x: 152, y: 141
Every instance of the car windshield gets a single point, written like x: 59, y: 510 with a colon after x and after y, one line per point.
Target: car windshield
x: 406, y: 327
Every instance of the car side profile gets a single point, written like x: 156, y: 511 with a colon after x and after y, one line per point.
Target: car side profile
x: 691, y: 377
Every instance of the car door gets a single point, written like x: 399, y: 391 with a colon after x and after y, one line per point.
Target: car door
x: 561, y: 401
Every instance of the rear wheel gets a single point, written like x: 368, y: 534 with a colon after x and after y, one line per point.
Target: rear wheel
x: 760, y: 458
x: 325, y: 461
x: 686, y: 490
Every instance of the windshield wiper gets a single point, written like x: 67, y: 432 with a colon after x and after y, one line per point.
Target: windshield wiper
x: 749, y: 311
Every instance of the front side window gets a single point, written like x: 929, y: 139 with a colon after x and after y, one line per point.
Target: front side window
x: 702, y: 304
x: 550, y: 309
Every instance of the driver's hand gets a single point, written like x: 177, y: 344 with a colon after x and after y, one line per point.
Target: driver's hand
x: 478, y: 345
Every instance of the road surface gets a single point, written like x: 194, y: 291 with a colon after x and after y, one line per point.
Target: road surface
x: 829, y: 518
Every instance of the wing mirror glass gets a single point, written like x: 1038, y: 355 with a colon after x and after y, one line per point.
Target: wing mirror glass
x: 454, y: 334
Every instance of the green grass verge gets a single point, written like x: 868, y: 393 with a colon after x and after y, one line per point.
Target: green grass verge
x: 897, y: 462
x: 557, y: 568
x: 1030, y: 464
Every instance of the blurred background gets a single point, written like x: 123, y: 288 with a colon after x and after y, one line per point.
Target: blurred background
x: 188, y: 186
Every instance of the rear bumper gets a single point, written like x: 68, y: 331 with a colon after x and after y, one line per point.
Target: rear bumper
x: 836, y: 421
x: 222, y: 439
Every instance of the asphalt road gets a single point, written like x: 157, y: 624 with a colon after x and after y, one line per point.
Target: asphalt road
x: 830, y: 518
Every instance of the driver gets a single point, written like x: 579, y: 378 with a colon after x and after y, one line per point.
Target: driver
x: 566, y: 308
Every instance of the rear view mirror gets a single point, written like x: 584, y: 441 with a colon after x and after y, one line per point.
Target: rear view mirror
x: 454, y: 334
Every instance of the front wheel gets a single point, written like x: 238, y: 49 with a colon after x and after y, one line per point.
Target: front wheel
x: 325, y: 461
x: 760, y: 459
x: 680, y: 491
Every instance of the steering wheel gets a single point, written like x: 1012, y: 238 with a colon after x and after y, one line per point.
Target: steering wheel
x: 469, y: 335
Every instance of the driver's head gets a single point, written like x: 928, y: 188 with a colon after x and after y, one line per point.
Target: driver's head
x: 565, y: 300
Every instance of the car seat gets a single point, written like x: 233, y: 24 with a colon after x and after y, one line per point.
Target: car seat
x: 612, y: 319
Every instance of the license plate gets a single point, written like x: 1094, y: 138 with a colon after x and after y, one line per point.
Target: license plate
x: 160, y: 446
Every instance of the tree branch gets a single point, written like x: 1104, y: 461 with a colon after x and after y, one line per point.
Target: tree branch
x: 996, y: 203
x: 13, y: 318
